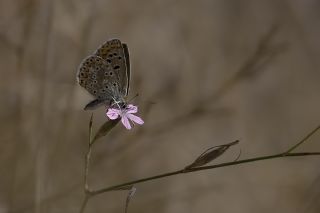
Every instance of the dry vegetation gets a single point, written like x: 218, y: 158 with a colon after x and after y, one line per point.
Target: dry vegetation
x: 207, y: 72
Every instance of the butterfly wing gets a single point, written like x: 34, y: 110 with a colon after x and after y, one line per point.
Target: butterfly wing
x: 126, y: 55
x: 116, y: 55
x: 99, y: 79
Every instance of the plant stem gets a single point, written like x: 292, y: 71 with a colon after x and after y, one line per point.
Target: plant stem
x: 91, y: 193
x: 304, y: 139
x: 183, y: 171
x: 84, y: 203
x: 189, y: 170
x: 88, y: 156
x: 86, y: 170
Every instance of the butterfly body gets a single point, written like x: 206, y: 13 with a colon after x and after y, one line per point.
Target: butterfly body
x: 106, y: 74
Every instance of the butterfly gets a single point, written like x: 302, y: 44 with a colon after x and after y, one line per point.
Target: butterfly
x: 106, y: 75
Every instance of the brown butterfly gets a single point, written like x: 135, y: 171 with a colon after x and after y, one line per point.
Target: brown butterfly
x: 106, y: 74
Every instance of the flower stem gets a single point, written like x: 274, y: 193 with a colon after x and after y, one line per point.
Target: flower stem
x: 183, y: 171
x: 84, y: 203
x: 91, y: 193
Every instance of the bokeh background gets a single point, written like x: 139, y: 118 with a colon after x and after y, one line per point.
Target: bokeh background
x: 207, y: 72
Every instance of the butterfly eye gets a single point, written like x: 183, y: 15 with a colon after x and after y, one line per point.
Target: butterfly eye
x: 119, y: 57
x: 95, y: 91
x: 107, y: 87
x: 114, y: 84
x: 110, y: 73
x: 95, y: 81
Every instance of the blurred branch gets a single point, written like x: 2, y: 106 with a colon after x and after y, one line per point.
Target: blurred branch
x: 264, y: 53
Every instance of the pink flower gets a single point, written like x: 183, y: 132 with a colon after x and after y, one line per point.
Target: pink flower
x: 126, y: 115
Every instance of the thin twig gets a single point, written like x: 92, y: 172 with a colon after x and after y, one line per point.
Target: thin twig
x: 303, y: 140
x: 84, y: 203
x: 87, y: 163
x: 182, y: 171
x: 91, y: 193
x: 86, y: 167
x: 88, y: 156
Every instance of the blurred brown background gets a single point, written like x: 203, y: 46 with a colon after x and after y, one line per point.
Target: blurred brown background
x: 207, y: 72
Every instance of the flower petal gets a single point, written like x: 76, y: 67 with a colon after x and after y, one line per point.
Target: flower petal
x: 125, y: 122
x: 131, y: 109
x: 135, y: 119
x: 113, y: 113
